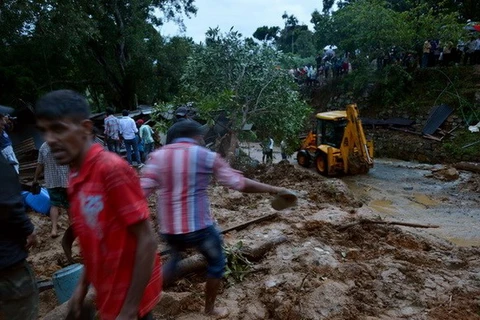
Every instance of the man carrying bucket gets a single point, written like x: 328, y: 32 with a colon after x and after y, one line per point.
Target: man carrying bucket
x: 181, y: 171
x: 18, y: 288
x: 109, y: 213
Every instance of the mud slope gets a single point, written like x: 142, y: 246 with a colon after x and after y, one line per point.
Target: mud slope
x: 364, y: 272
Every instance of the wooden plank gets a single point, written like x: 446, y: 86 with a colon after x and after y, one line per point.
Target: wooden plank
x: 28, y: 165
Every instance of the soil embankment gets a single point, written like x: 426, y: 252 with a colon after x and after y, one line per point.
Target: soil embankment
x: 457, y: 87
x: 363, y: 272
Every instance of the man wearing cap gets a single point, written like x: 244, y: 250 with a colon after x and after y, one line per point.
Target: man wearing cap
x: 181, y: 114
x: 181, y: 172
x: 5, y: 142
x: 18, y: 288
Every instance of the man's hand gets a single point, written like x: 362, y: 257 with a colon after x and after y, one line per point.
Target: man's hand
x: 31, y: 240
x: 76, y: 301
x: 126, y: 315
x: 35, y: 189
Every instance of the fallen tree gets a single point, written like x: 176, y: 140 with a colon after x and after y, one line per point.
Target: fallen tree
x: 197, y: 263
x: 396, y: 223
x: 468, y: 166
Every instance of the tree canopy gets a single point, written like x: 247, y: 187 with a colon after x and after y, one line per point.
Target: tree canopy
x: 246, y: 81
x: 110, y: 49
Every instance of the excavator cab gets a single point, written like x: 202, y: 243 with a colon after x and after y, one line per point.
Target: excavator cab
x: 330, y: 132
x: 337, y: 144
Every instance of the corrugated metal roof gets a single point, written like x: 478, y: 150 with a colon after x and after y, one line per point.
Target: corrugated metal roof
x: 437, y: 116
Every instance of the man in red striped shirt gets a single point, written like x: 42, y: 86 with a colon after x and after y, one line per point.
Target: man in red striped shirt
x: 181, y: 172
x: 109, y: 214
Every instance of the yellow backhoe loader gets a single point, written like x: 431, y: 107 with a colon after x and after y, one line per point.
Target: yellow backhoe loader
x: 337, y: 144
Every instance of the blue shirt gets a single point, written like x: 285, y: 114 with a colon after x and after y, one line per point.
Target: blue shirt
x: 4, y: 140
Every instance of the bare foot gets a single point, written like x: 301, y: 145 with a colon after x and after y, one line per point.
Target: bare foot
x: 54, y: 234
x: 218, y: 313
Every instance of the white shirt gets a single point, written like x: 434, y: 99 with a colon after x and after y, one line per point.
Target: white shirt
x: 56, y: 176
x: 270, y: 145
x: 128, y: 128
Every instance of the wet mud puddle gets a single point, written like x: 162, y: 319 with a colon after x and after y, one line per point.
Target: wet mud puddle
x: 402, y: 191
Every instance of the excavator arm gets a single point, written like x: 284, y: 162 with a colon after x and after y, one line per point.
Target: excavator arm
x: 356, y: 150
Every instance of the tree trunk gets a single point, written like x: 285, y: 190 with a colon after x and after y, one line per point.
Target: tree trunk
x: 198, y: 263
x: 227, y: 146
x: 468, y: 166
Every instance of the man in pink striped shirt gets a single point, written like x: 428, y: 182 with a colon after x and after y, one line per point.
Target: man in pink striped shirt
x: 181, y: 172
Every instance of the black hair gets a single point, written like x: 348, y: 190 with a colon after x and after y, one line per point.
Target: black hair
x: 109, y: 111
x: 62, y: 104
x: 125, y: 113
x: 187, y: 129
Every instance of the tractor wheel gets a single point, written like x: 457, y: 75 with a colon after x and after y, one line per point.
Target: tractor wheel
x: 304, y: 159
x: 321, y: 164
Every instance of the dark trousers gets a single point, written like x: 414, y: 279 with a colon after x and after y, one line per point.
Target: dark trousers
x: 476, y: 57
x: 129, y: 145
x: 207, y: 241
x: 148, y: 148
x: 18, y: 293
x: 113, y: 145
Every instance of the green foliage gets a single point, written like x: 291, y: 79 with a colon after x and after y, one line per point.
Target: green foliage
x: 373, y: 26
x: 395, y: 81
x: 237, y: 265
x: 109, y: 48
x: 368, y: 25
x: 462, y: 138
x: 246, y: 81
x: 467, y: 9
x: 293, y: 38
x: 266, y: 33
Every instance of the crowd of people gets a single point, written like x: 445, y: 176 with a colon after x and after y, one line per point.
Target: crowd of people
x: 109, y: 213
x: 436, y: 53
x: 137, y: 137
x: 330, y: 65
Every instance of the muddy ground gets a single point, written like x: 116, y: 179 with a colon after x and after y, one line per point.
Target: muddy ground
x: 363, y: 272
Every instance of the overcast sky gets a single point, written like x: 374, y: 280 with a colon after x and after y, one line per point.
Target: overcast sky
x: 244, y: 15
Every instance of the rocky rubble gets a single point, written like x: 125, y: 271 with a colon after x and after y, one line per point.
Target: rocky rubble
x: 363, y: 272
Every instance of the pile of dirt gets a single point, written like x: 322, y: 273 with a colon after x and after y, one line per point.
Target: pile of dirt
x: 473, y: 183
x: 318, y: 189
x: 366, y: 271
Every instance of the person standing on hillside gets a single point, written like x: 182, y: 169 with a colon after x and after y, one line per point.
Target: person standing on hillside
x: 112, y: 131
x: 181, y: 114
x: 182, y: 171
x: 476, y: 53
x: 5, y: 143
x: 270, y: 150
x: 56, y: 182
x: 426, y: 54
x: 128, y: 129
x: 146, y: 134
x: 109, y: 213
x: 283, y: 150
x: 18, y: 288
